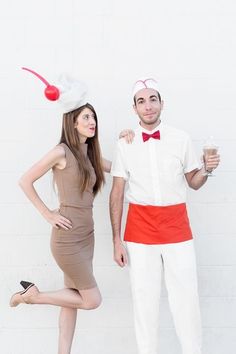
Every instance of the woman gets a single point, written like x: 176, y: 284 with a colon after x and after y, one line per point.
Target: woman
x: 78, y: 170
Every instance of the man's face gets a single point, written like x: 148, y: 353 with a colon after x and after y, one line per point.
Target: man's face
x: 148, y: 107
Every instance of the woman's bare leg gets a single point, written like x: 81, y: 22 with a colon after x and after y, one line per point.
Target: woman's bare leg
x: 71, y: 298
x: 67, y: 322
x: 90, y: 298
x: 83, y: 299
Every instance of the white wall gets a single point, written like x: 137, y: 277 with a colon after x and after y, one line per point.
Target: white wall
x: 190, y: 47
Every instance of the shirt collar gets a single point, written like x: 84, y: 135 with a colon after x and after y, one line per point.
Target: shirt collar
x: 159, y: 127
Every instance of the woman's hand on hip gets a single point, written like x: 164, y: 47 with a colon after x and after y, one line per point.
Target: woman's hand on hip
x: 57, y: 220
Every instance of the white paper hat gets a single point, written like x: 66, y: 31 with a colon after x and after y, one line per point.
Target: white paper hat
x: 73, y: 93
x: 145, y: 83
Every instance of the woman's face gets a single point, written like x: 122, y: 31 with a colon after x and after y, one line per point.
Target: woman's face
x: 85, y: 124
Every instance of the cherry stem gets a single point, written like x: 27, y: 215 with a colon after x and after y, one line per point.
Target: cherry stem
x: 38, y: 76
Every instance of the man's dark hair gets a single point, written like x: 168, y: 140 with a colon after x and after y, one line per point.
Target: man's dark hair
x: 158, y: 95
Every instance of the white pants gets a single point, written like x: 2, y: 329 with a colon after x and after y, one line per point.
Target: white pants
x: 177, y: 262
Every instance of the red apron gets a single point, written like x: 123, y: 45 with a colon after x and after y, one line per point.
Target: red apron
x: 157, y: 224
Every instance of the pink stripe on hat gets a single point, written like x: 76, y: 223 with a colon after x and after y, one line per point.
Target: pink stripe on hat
x: 145, y: 83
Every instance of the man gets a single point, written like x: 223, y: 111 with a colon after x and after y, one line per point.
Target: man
x: 158, y: 237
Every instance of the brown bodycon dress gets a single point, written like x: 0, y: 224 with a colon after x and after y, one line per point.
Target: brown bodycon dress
x: 73, y: 249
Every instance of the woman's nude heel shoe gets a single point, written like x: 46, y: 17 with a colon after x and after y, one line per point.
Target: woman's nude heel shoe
x: 24, y: 297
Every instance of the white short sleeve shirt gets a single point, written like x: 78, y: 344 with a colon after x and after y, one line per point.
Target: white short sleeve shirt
x: 155, y: 169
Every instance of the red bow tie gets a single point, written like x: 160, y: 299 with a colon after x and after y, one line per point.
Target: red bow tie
x: 155, y: 135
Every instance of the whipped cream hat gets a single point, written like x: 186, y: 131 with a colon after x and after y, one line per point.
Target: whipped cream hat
x: 69, y: 93
x: 73, y: 93
x: 145, y: 83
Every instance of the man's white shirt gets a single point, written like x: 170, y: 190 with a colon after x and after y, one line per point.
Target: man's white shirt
x: 155, y: 168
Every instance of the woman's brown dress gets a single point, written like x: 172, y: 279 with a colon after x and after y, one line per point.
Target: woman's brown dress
x: 73, y: 249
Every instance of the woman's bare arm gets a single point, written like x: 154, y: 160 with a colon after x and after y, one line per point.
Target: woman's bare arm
x: 54, y: 158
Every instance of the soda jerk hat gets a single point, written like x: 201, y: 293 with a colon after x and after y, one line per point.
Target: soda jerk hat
x: 69, y: 93
x: 145, y: 83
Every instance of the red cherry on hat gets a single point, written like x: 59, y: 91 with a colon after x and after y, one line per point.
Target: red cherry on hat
x: 51, y: 92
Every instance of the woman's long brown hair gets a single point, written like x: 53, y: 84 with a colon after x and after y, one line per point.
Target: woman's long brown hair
x: 70, y: 137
